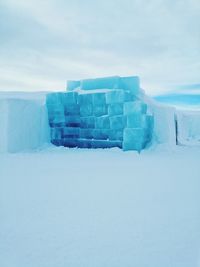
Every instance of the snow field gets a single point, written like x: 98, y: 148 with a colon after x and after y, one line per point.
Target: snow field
x: 94, y: 208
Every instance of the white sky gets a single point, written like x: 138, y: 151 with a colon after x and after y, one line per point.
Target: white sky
x: 44, y: 43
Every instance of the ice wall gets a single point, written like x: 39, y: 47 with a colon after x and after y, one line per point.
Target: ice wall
x: 24, y: 125
x: 164, y: 131
x: 188, y: 128
x: 3, y: 125
x: 100, y: 113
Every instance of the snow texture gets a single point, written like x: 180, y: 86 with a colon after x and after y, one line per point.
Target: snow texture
x: 94, y: 208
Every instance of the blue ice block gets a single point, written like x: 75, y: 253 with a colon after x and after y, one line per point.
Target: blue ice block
x: 100, y: 110
x: 87, y: 122
x: 56, y: 133
x: 70, y: 142
x: 131, y: 83
x: 70, y: 132
x: 72, y: 85
x: 106, y: 144
x: 117, y: 122
x: 101, y: 134
x: 135, y: 107
x: 72, y: 109
x: 99, y: 99
x: 116, y: 135
x: 57, y: 120
x: 134, y: 139
x: 54, y: 108
x: 70, y: 98
x: 84, y: 143
x: 115, y: 109
x: 150, y: 121
x: 115, y: 96
x: 102, y: 122
x: 54, y: 99
x: 57, y: 142
x: 72, y: 121
x: 101, y: 83
x: 86, y: 133
x: 56, y: 136
x: 149, y: 128
x: 119, y: 96
x: 136, y: 120
x: 52, y: 114
x: 85, y: 99
x: 86, y: 110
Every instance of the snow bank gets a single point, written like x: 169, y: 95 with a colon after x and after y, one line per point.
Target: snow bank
x: 188, y: 127
x: 164, y: 124
x: 174, y: 126
x: 164, y: 128
x: 24, y: 125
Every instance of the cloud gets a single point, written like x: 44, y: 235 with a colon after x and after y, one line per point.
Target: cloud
x: 43, y: 43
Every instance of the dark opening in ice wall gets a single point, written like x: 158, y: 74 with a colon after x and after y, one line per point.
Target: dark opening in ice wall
x: 100, y: 113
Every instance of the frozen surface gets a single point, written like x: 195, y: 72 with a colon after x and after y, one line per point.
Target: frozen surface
x: 63, y: 207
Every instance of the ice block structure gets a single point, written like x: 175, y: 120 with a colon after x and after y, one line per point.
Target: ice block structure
x: 100, y: 113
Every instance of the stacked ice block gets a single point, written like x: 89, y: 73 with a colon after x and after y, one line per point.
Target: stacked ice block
x: 100, y: 113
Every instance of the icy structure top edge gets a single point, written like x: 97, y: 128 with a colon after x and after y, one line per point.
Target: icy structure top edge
x: 131, y: 83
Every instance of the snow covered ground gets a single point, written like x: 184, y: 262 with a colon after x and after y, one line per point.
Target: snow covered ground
x: 68, y: 207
